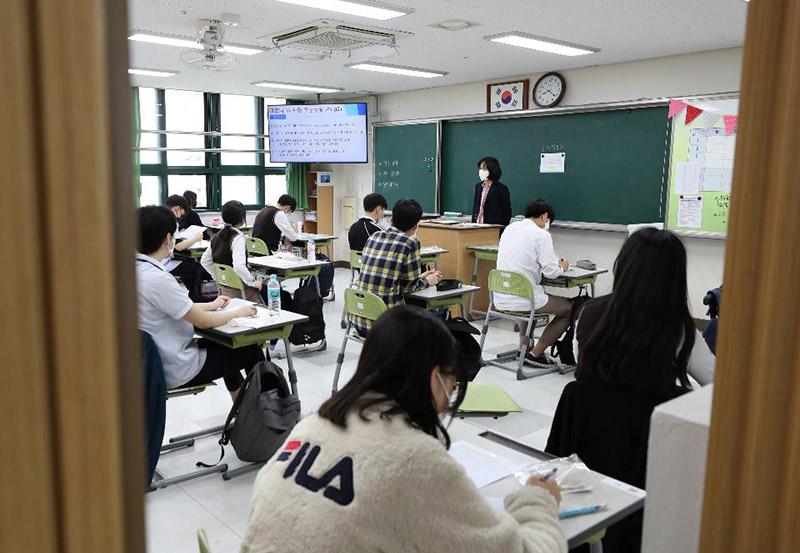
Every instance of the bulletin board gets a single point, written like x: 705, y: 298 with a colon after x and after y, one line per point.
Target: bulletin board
x: 701, y: 171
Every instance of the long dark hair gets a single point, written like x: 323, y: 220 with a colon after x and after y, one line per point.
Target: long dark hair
x: 643, y: 339
x: 396, y: 363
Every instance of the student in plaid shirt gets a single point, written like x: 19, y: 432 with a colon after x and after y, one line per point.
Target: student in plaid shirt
x: 390, y: 265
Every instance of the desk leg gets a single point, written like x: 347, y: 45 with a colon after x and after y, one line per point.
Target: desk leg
x: 292, y: 373
x: 472, y: 296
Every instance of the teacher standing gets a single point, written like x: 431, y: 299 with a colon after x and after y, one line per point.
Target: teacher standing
x: 492, y: 201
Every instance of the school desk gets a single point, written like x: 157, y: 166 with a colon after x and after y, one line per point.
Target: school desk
x: 431, y: 254
x: 622, y: 499
x: 430, y: 298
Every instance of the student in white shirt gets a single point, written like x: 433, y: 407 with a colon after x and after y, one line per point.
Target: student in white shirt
x: 188, y: 272
x: 228, y: 248
x: 527, y: 247
x: 170, y: 317
x: 371, y: 472
x: 272, y: 224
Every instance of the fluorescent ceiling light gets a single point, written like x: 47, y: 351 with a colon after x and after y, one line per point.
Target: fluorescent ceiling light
x: 301, y: 87
x: 542, y: 44
x: 188, y: 43
x: 371, y: 10
x: 397, y: 70
x: 152, y: 72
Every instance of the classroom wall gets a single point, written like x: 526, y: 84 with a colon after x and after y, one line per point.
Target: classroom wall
x: 685, y: 75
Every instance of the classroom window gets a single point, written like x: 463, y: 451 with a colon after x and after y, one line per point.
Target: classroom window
x: 178, y: 184
x: 151, y: 193
x: 239, y: 188
x: 185, y: 112
x: 274, y: 187
x: 238, y: 115
x: 150, y: 110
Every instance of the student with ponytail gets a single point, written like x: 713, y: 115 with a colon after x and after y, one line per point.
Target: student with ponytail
x: 228, y: 248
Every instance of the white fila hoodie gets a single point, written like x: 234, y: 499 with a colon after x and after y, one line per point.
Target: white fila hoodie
x: 384, y: 486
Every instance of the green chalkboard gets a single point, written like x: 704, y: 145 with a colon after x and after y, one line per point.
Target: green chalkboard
x: 405, y: 163
x: 614, y: 163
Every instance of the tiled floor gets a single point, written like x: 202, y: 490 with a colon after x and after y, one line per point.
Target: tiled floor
x: 220, y: 507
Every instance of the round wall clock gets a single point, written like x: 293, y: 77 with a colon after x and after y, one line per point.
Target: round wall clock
x: 549, y: 90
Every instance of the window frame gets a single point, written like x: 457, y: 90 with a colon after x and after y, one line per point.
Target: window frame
x: 213, y: 169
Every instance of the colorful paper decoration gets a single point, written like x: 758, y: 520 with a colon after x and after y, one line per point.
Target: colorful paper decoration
x: 710, y: 118
x: 675, y: 107
x: 731, y: 122
x: 692, y: 113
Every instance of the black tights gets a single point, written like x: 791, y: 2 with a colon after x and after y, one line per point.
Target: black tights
x: 226, y: 363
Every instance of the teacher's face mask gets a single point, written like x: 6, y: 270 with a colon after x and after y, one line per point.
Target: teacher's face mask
x: 483, y: 174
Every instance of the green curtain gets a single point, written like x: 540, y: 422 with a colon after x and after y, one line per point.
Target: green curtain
x: 296, y: 183
x: 137, y: 141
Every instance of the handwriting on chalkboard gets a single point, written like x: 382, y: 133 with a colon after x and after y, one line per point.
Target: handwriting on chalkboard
x: 553, y: 148
x: 388, y: 171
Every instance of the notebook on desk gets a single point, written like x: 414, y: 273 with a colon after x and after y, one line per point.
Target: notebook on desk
x: 482, y: 397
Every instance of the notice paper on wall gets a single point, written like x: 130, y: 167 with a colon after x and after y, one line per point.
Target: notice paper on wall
x: 690, y: 211
x: 552, y: 163
x: 688, y: 177
x: 483, y: 467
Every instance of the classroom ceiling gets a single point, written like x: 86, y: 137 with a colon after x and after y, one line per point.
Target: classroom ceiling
x: 623, y: 30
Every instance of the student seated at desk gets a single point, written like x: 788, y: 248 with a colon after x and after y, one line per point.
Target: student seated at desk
x: 390, y: 265
x: 371, y: 472
x: 272, y: 224
x: 374, y: 208
x: 169, y: 316
x: 188, y: 271
x: 191, y: 217
x: 526, y: 247
x: 228, y: 248
x: 633, y: 349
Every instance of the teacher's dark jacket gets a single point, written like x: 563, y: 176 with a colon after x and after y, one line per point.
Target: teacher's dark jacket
x: 497, y: 208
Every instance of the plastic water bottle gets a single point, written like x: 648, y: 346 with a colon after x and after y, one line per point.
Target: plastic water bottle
x: 311, y: 250
x: 274, y: 295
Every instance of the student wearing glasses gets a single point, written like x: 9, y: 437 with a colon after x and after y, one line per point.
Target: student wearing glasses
x: 371, y: 472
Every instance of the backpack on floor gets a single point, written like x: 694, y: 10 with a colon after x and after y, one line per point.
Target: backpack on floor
x: 563, y: 348
x: 264, y: 413
x: 306, y: 301
x: 463, y: 332
x: 325, y: 276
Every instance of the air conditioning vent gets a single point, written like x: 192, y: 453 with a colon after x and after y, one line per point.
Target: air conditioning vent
x: 325, y: 38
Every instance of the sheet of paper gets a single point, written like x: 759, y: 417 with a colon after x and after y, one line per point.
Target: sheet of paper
x: 552, y: 163
x: 688, y: 177
x: 191, y: 232
x: 690, y: 212
x: 236, y: 303
x: 483, y: 467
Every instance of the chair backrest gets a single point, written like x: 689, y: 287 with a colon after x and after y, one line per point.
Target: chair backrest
x: 510, y: 282
x: 226, y: 276
x: 256, y: 246
x: 355, y: 259
x: 202, y: 541
x: 363, y: 304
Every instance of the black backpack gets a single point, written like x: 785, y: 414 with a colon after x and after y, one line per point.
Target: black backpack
x: 264, y: 413
x: 325, y: 276
x: 563, y: 348
x: 462, y: 331
x: 306, y: 301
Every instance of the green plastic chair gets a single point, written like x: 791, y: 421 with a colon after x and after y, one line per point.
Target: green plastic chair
x: 202, y: 541
x: 361, y: 304
x: 516, y: 284
x: 226, y: 276
x: 355, y: 267
x: 256, y: 246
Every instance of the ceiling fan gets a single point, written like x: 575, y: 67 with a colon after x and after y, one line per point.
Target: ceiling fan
x: 212, y: 56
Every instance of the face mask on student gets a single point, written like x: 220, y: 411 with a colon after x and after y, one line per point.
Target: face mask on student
x: 171, y: 247
x: 547, y: 225
x: 483, y: 174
